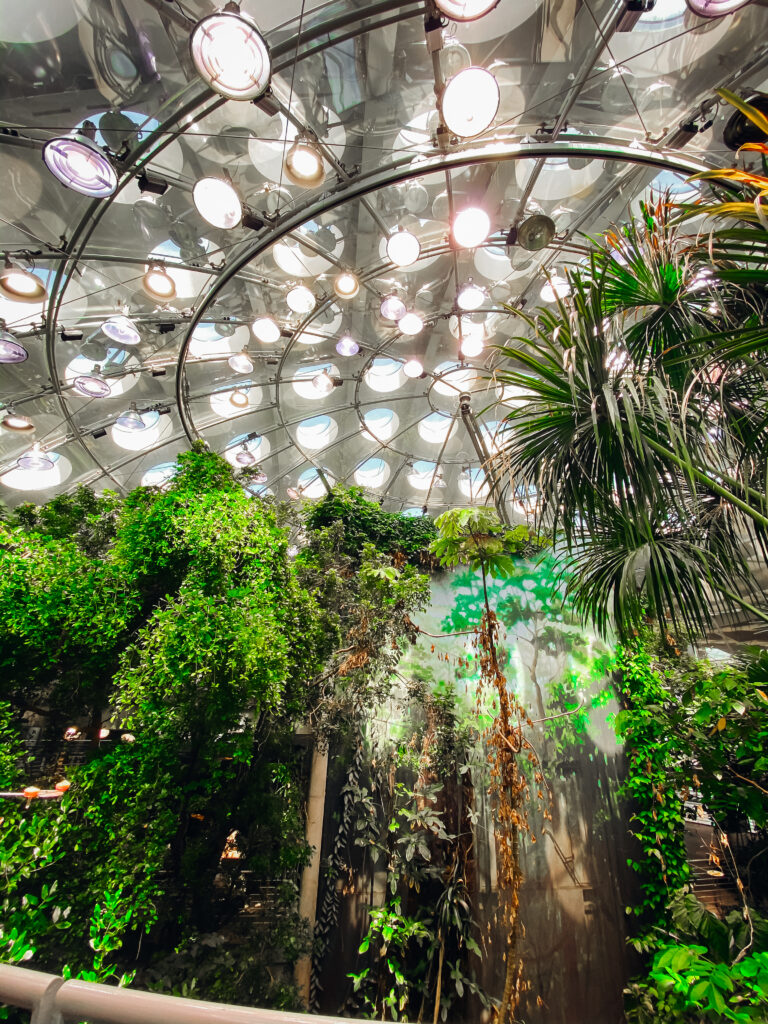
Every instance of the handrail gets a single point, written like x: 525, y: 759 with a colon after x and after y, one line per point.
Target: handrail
x: 76, y: 1000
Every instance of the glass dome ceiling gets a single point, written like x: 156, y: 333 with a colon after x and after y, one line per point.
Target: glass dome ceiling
x: 587, y: 125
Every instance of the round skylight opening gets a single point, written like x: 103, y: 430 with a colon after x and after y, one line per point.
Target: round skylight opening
x: 435, y: 428
x: 452, y: 379
x: 555, y: 288
x: 160, y: 475
x: 53, y: 470
x: 305, y: 376
x: 317, y: 432
x: 380, y: 424
x: 310, y: 484
x: 372, y: 473
x: 473, y: 484
x: 384, y: 375
x: 421, y: 475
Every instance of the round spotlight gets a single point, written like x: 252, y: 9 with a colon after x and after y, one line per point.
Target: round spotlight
x: 556, y: 288
x: 241, y: 362
x: 469, y: 102
x: 35, y: 459
x: 21, y: 285
x: 10, y: 349
x: 471, y: 227
x: 218, y: 202
x: 472, y: 346
x: 536, y: 232
x: 245, y: 458
x: 122, y: 330
x: 465, y: 10
x: 347, y: 346
x: 300, y: 299
x: 230, y: 54
x: 323, y: 383
x: 715, y: 8
x: 81, y: 165
x: 413, y: 369
x: 470, y: 297
x: 130, y: 419
x: 266, y: 330
x: 410, y: 324
x: 392, y: 308
x: 304, y: 162
x: 158, y: 283
x: 92, y: 385
x: 15, y: 421
x: 238, y: 398
x: 346, y: 285
x: 403, y: 248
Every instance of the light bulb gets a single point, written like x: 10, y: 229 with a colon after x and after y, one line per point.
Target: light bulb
x: 469, y: 102
x: 346, y: 285
x: 244, y: 457
x: 472, y: 346
x: 230, y: 54
x: 10, y: 349
x: 218, y: 201
x: 410, y: 324
x: 158, y: 283
x: 35, y: 459
x: 392, y: 308
x: 122, y: 330
x: 471, y: 227
x: 300, y: 299
x: 304, y: 163
x: 131, y: 419
x: 413, y: 369
x: 238, y: 398
x: 21, y: 285
x: 403, y: 248
x: 347, y: 346
x: 92, y: 385
x: 556, y: 288
x: 81, y: 165
x: 15, y: 421
x: 241, y: 362
x: 465, y: 10
x: 266, y: 330
x: 323, y: 383
x: 470, y: 297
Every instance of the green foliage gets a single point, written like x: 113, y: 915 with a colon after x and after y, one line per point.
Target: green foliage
x: 476, y: 537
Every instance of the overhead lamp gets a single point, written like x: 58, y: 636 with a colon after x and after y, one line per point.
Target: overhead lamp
x: 241, y: 362
x: 122, y: 330
x: 77, y: 162
x: 555, y: 288
x: 347, y: 346
x: 469, y: 102
x: 535, y: 233
x: 265, y: 330
x: 21, y: 285
x: 471, y: 296
x: 392, y: 307
x: 471, y: 227
x: 238, y: 398
x: 472, y: 346
x: 413, y: 369
x: 158, y: 283
x: 231, y: 55
x: 346, y: 285
x: 465, y: 10
x: 218, y: 202
x: 304, y: 162
x: 244, y: 457
x: 410, y: 324
x: 323, y: 383
x: 403, y: 248
x: 715, y: 8
x: 131, y: 419
x: 300, y: 299
x: 35, y: 459
x: 92, y: 385
x: 632, y: 13
x: 11, y: 351
x: 15, y: 421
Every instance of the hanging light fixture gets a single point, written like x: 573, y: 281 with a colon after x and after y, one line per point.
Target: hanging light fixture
x: 92, y: 385
x: 392, y: 307
x: 300, y: 299
x: 122, y: 330
x: 241, y: 362
x: 471, y: 296
x: 11, y: 351
x: 35, y: 459
x: 413, y: 369
x: 469, y: 102
x: 238, y: 398
x: 403, y: 248
x: 244, y: 457
x: 535, y: 233
x: 265, y: 330
x: 218, y: 202
x: 131, y: 419
x: 323, y: 383
x: 77, y: 162
x: 472, y: 346
x: 465, y: 10
x: 715, y: 8
x: 347, y: 346
x: 346, y: 285
x: 158, y: 283
x: 231, y: 55
x: 21, y: 285
x: 410, y: 324
x: 471, y: 227
x: 15, y: 421
x: 304, y: 162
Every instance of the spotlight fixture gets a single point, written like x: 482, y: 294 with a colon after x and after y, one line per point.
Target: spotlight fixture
x: 347, y: 346
x: 98, y: 433
x: 121, y: 329
x: 304, y: 162
x: 78, y: 163
x: 413, y: 369
x: 92, y: 385
x: 715, y: 8
x: 471, y: 296
x: 535, y: 233
x: 158, y: 283
x: 218, y: 202
x: 265, y: 330
x: 323, y: 383
x: 300, y: 299
x: 471, y: 227
x: 632, y: 13
x: 682, y: 135
x: 151, y: 183
x: 472, y: 346
x: 241, y: 362
x: 346, y: 285
x: 131, y: 419
x: 403, y: 248
x: 11, y: 351
x: 71, y: 334
x: 231, y: 55
x: 740, y: 130
x: 21, y: 285
x: 15, y: 421
x: 35, y: 459
x: 392, y: 307
x: 410, y: 324
x: 465, y: 10
x: 469, y: 102
x: 238, y: 398
x: 244, y: 457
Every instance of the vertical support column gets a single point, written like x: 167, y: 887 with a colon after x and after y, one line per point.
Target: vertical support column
x: 310, y: 877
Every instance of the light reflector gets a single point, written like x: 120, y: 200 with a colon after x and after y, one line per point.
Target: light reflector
x: 465, y: 10
x: 230, y: 54
x: 471, y: 227
x: 469, y: 102
x: 81, y: 165
x: 11, y: 351
x: 218, y: 202
x: 403, y: 248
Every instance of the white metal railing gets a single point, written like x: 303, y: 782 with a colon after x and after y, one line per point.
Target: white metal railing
x: 55, y: 1001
